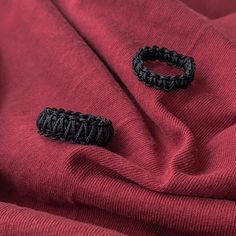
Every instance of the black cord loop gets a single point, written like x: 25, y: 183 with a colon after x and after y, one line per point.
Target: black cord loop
x: 74, y: 127
x: 159, y: 81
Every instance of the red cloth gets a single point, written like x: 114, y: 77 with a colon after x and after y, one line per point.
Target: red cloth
x: 171, y: 167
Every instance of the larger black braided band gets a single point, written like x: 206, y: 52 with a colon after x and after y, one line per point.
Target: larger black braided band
x: 74, y: 127
x: 159, y: 81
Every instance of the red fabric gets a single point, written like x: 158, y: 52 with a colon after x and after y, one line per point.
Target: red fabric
x: 171, y: 167
x: 212, y: 8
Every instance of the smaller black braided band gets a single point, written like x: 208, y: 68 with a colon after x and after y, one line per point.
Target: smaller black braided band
x: 74, y: 127
x: 159, y: 81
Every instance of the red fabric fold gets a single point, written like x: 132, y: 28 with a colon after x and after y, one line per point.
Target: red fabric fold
x: 169, y: 170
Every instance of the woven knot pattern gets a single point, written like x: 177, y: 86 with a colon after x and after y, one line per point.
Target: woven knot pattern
x: 74, y: 127
x: 159, y: 81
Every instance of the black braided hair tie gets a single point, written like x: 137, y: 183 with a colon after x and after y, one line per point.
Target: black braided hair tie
x: 74, y: 127
x: 159, y: 81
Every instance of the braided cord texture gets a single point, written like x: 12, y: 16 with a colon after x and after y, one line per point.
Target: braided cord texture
x: 159, y: 81
x: 74, y: 127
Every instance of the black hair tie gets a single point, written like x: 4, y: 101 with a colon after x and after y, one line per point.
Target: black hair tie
x: 74, y: 127
x: 159, y: 81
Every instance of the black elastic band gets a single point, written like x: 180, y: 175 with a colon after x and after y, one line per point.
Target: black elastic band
x: 74, y: 127
x: 159, y: 81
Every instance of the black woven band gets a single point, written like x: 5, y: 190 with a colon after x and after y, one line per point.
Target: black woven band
x: 74, y: 127
x: 159, y: 81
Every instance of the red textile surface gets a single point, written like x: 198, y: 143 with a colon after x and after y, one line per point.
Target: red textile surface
x: 170, y: 169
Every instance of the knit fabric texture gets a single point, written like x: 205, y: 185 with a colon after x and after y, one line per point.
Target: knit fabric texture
x: 171, y: 167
